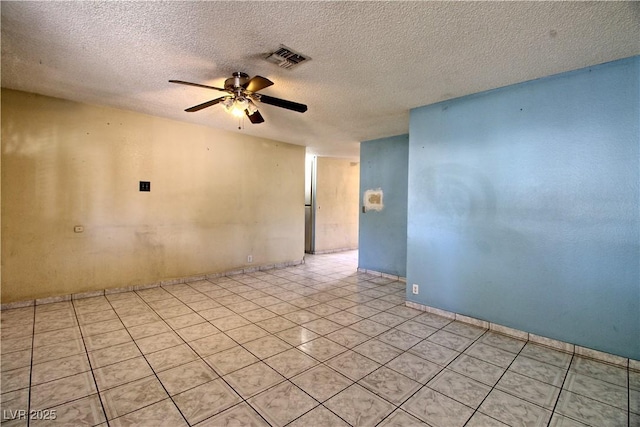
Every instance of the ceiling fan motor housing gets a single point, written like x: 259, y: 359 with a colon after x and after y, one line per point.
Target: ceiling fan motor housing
x: 238, y: 80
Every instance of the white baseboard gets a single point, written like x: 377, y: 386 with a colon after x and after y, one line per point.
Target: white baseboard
x: 526, y: 336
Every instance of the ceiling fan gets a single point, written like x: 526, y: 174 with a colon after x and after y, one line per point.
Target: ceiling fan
x: 243, y: 96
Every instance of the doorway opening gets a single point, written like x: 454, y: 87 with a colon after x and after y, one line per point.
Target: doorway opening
x: 309, y: 202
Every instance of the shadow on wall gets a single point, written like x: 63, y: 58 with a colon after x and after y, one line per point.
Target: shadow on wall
x: 460, y: 193
x: 463, y: 203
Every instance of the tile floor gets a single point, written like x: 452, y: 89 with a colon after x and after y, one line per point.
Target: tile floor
x: 314, y: 345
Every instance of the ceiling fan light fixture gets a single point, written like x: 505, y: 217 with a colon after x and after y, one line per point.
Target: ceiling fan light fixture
x: 239, y: 105
x: 251, y: 108
x: 227, y: 104
x: 235, y: 106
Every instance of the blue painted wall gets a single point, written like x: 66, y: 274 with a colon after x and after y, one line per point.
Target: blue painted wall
x: 524, y: 206
x: 383, y: 234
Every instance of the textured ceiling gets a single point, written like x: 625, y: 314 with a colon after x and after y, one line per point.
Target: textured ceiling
x: 371, y: 61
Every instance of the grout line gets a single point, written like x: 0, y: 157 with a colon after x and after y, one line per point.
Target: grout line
x: 33, y: 339
x: 566, y: 374
x: 86, y: 353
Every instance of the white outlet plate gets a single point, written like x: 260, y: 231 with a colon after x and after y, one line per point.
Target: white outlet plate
x: 249, y: 258
x: 415, y: 289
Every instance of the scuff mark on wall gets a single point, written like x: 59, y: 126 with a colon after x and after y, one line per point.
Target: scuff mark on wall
x: 373, y: 200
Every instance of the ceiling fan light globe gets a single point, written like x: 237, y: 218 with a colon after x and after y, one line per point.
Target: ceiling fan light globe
x: 251, y: 108
x: 239, y: 105
x: 227, y: 104
x: 237, y: 112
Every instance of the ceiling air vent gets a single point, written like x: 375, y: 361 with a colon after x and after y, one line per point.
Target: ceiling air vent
x: 287, y: 58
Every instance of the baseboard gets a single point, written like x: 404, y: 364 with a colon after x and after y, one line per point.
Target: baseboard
x: 381, y: 274
x: 332, y: 251
x: 526, y: 336
x: 167, y: 282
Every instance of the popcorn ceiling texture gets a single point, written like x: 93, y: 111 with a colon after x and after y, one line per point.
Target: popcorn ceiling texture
x: 371, y: 61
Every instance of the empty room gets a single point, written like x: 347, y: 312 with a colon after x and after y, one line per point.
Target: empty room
x: 308, y: 214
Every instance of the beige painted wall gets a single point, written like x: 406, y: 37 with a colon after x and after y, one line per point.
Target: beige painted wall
x: 337, y: 203
x: 215, y: 198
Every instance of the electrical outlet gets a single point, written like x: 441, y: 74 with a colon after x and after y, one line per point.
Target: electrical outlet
x: 249, y: 258
x: 415, y: 289
x: 78, y: 229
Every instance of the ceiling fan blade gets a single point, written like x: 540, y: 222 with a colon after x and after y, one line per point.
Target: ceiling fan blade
x: 289, y: 105
x: 204, y: 105
x: 257, y: 83
x: 256, y: 117
x: 197, y: 85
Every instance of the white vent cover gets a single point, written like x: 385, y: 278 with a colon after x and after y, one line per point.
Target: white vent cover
x: 286, y: 58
